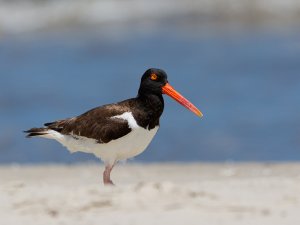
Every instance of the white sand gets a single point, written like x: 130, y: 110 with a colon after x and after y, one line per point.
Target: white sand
x: 186, y: 194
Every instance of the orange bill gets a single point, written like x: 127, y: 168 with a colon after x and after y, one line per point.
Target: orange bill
x: 170, y: 91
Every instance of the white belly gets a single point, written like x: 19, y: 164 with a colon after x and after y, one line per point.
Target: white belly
x: 128, y: 146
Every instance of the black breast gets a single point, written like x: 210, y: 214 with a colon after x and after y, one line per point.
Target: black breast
x: 147, y: 110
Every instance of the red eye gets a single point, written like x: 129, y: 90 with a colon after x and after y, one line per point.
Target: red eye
x: 153, y: 76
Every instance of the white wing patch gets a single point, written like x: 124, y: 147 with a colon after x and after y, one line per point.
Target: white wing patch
x: 129, y: 118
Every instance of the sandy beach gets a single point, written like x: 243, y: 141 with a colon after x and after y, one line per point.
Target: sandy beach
x: 151, y: 194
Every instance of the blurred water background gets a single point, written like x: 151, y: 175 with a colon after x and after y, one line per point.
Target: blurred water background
x: 238, y: 60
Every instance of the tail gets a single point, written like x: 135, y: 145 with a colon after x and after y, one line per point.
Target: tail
x: 36, y: 132
x: 49, y: 128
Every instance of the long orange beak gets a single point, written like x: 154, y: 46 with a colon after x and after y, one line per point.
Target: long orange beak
x: 170, y: 91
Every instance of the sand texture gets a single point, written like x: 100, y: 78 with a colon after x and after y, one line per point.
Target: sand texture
x: 187, y: 194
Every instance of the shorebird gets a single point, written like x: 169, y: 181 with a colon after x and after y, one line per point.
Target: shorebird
x: 117, y: 131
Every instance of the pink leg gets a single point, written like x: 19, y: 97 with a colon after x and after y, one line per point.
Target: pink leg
x: 106, y: 175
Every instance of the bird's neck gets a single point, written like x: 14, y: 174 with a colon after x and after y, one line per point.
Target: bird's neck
x: 153, y: 106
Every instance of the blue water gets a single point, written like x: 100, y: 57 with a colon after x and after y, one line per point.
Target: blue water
x: 246, y: 84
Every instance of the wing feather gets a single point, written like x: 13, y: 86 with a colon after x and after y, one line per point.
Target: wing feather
x: 97, y: 124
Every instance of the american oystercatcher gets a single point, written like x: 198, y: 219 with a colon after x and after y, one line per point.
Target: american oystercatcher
x: 117, y: 131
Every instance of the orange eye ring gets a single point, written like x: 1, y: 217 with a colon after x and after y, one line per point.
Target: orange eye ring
x: 153, y: 76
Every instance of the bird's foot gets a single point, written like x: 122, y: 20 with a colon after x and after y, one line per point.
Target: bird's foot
x: 109, y: 183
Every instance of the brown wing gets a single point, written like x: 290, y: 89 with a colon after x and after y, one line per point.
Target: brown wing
x: 97, y: 124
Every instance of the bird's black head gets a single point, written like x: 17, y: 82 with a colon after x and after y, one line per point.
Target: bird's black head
x: 152, y: 82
